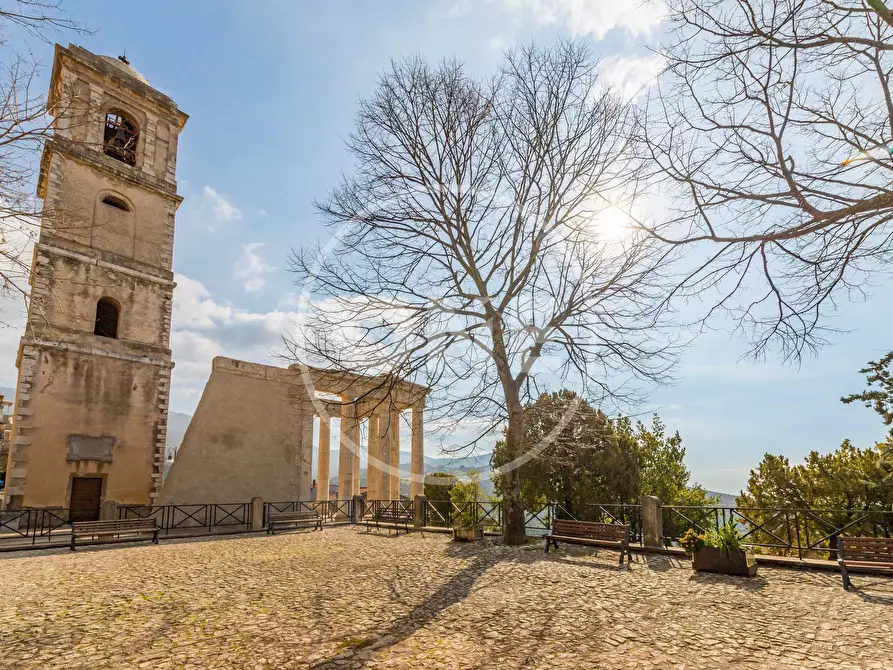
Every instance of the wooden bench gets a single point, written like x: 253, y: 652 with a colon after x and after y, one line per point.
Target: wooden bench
x: 309, y: 517
x: 119, y: 530
x: 389, y: 516
x: 590, y: 533
x: 863, y: 552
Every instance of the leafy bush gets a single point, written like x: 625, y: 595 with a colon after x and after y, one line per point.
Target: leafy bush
x: 725, y: 538
x: 464, y: 495
x: 438, y: 485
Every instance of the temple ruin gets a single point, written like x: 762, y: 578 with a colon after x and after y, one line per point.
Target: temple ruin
x: 252, y: 435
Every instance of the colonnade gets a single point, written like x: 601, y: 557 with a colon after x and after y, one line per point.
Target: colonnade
x: 383, y: 473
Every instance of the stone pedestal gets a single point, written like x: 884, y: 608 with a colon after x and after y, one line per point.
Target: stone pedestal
x: 257, y: 513
x: 108, y: 511
x: 418, y: 511
x: 358, y: 509
x: 652, y: 522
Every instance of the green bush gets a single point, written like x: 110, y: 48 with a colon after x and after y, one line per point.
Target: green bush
x: 463, y: 493
x: 725, y: 538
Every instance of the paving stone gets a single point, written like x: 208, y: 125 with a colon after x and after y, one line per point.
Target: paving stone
x: 344, y: 598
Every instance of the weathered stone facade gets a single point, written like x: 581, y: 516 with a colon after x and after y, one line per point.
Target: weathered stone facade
x: 245, y: 438
x: 93, y: 406
x: 252, y: 434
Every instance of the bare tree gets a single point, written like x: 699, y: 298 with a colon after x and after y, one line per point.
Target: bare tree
x: 772, y: 133
x: 24, y: 125
x: 472, y: 257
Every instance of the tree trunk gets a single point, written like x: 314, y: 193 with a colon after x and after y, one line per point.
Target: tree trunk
x: 512, y: 507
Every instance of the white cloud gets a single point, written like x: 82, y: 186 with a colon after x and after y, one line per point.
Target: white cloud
x: 498, y: 43
x: 582, y: 17
x: 194, y: 307
x: 204, y: 328
x: 630, y: 76
x: 221, y: 208
x: 251, y: 267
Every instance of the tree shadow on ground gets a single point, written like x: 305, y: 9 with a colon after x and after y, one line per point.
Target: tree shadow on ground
x: 881, y: 592
x: 661, y: 562
x: 755, y: 583
x: 576, y: 560
x: 448, y: 594
x: 885, y: 599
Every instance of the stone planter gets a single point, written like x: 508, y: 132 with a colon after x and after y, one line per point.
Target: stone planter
x: 468, y: 534
x: 711, y: 559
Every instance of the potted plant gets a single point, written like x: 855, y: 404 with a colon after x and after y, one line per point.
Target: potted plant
x: 720, y: 551
x: 465, y: 496
x: 468, y: 533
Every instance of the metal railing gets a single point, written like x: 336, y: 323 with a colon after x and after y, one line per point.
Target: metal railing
x: 190, y: 517
x: 402, y: 507
x: 615, y: 513
x: 805, y: 533
x: 445, y: 513
x: 808, y: 533
x: 489, y: 515
x: 36, y: 524
x: 329, y: 510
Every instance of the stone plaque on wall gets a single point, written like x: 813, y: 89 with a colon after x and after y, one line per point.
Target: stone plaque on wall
x: 83, y: 448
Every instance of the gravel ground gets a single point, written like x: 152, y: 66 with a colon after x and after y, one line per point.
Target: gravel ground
x: 347, y: 598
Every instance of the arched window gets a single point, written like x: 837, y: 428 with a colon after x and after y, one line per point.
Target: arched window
x: 106, y: 318
x: 116, y: 202
x: 121, y: 136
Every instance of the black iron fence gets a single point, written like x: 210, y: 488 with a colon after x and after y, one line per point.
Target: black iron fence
x: 805, y: 533
x: 403, y: 507
x: 207, y: 516
x: 36, y: 524
x: 488, y: 515
x: 329, y: 510
x: 615, y: 513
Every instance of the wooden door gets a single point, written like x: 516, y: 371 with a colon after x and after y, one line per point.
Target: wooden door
x: 86, y: 496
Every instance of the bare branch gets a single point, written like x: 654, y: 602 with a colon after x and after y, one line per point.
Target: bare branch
x: 772, y: 137
x: 471, y: 258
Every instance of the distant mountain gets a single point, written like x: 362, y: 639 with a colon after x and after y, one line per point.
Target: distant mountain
x: 479, y: 462
x: 725, y: 499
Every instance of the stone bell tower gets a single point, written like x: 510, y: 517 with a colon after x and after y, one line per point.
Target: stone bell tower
x: 95, y: 362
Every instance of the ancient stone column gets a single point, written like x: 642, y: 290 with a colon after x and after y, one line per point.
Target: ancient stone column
x: 322, y: 457
x: 417, y: 461
x: 355, y: 440
x: 394, y: 461
x: 374, y: 473
x: 345, y: 455
x: 385, y: 431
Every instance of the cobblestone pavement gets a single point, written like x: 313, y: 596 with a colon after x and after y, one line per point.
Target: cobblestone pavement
x: 346, y: 598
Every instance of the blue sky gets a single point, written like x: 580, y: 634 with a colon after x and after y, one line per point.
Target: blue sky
x: 271, y: 88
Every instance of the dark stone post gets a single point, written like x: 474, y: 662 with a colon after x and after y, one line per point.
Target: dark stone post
x: 257, y: 513
x: 418, y: 511
x: 108, y: 511
x: 358, y: 509
x: 652, y: 522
